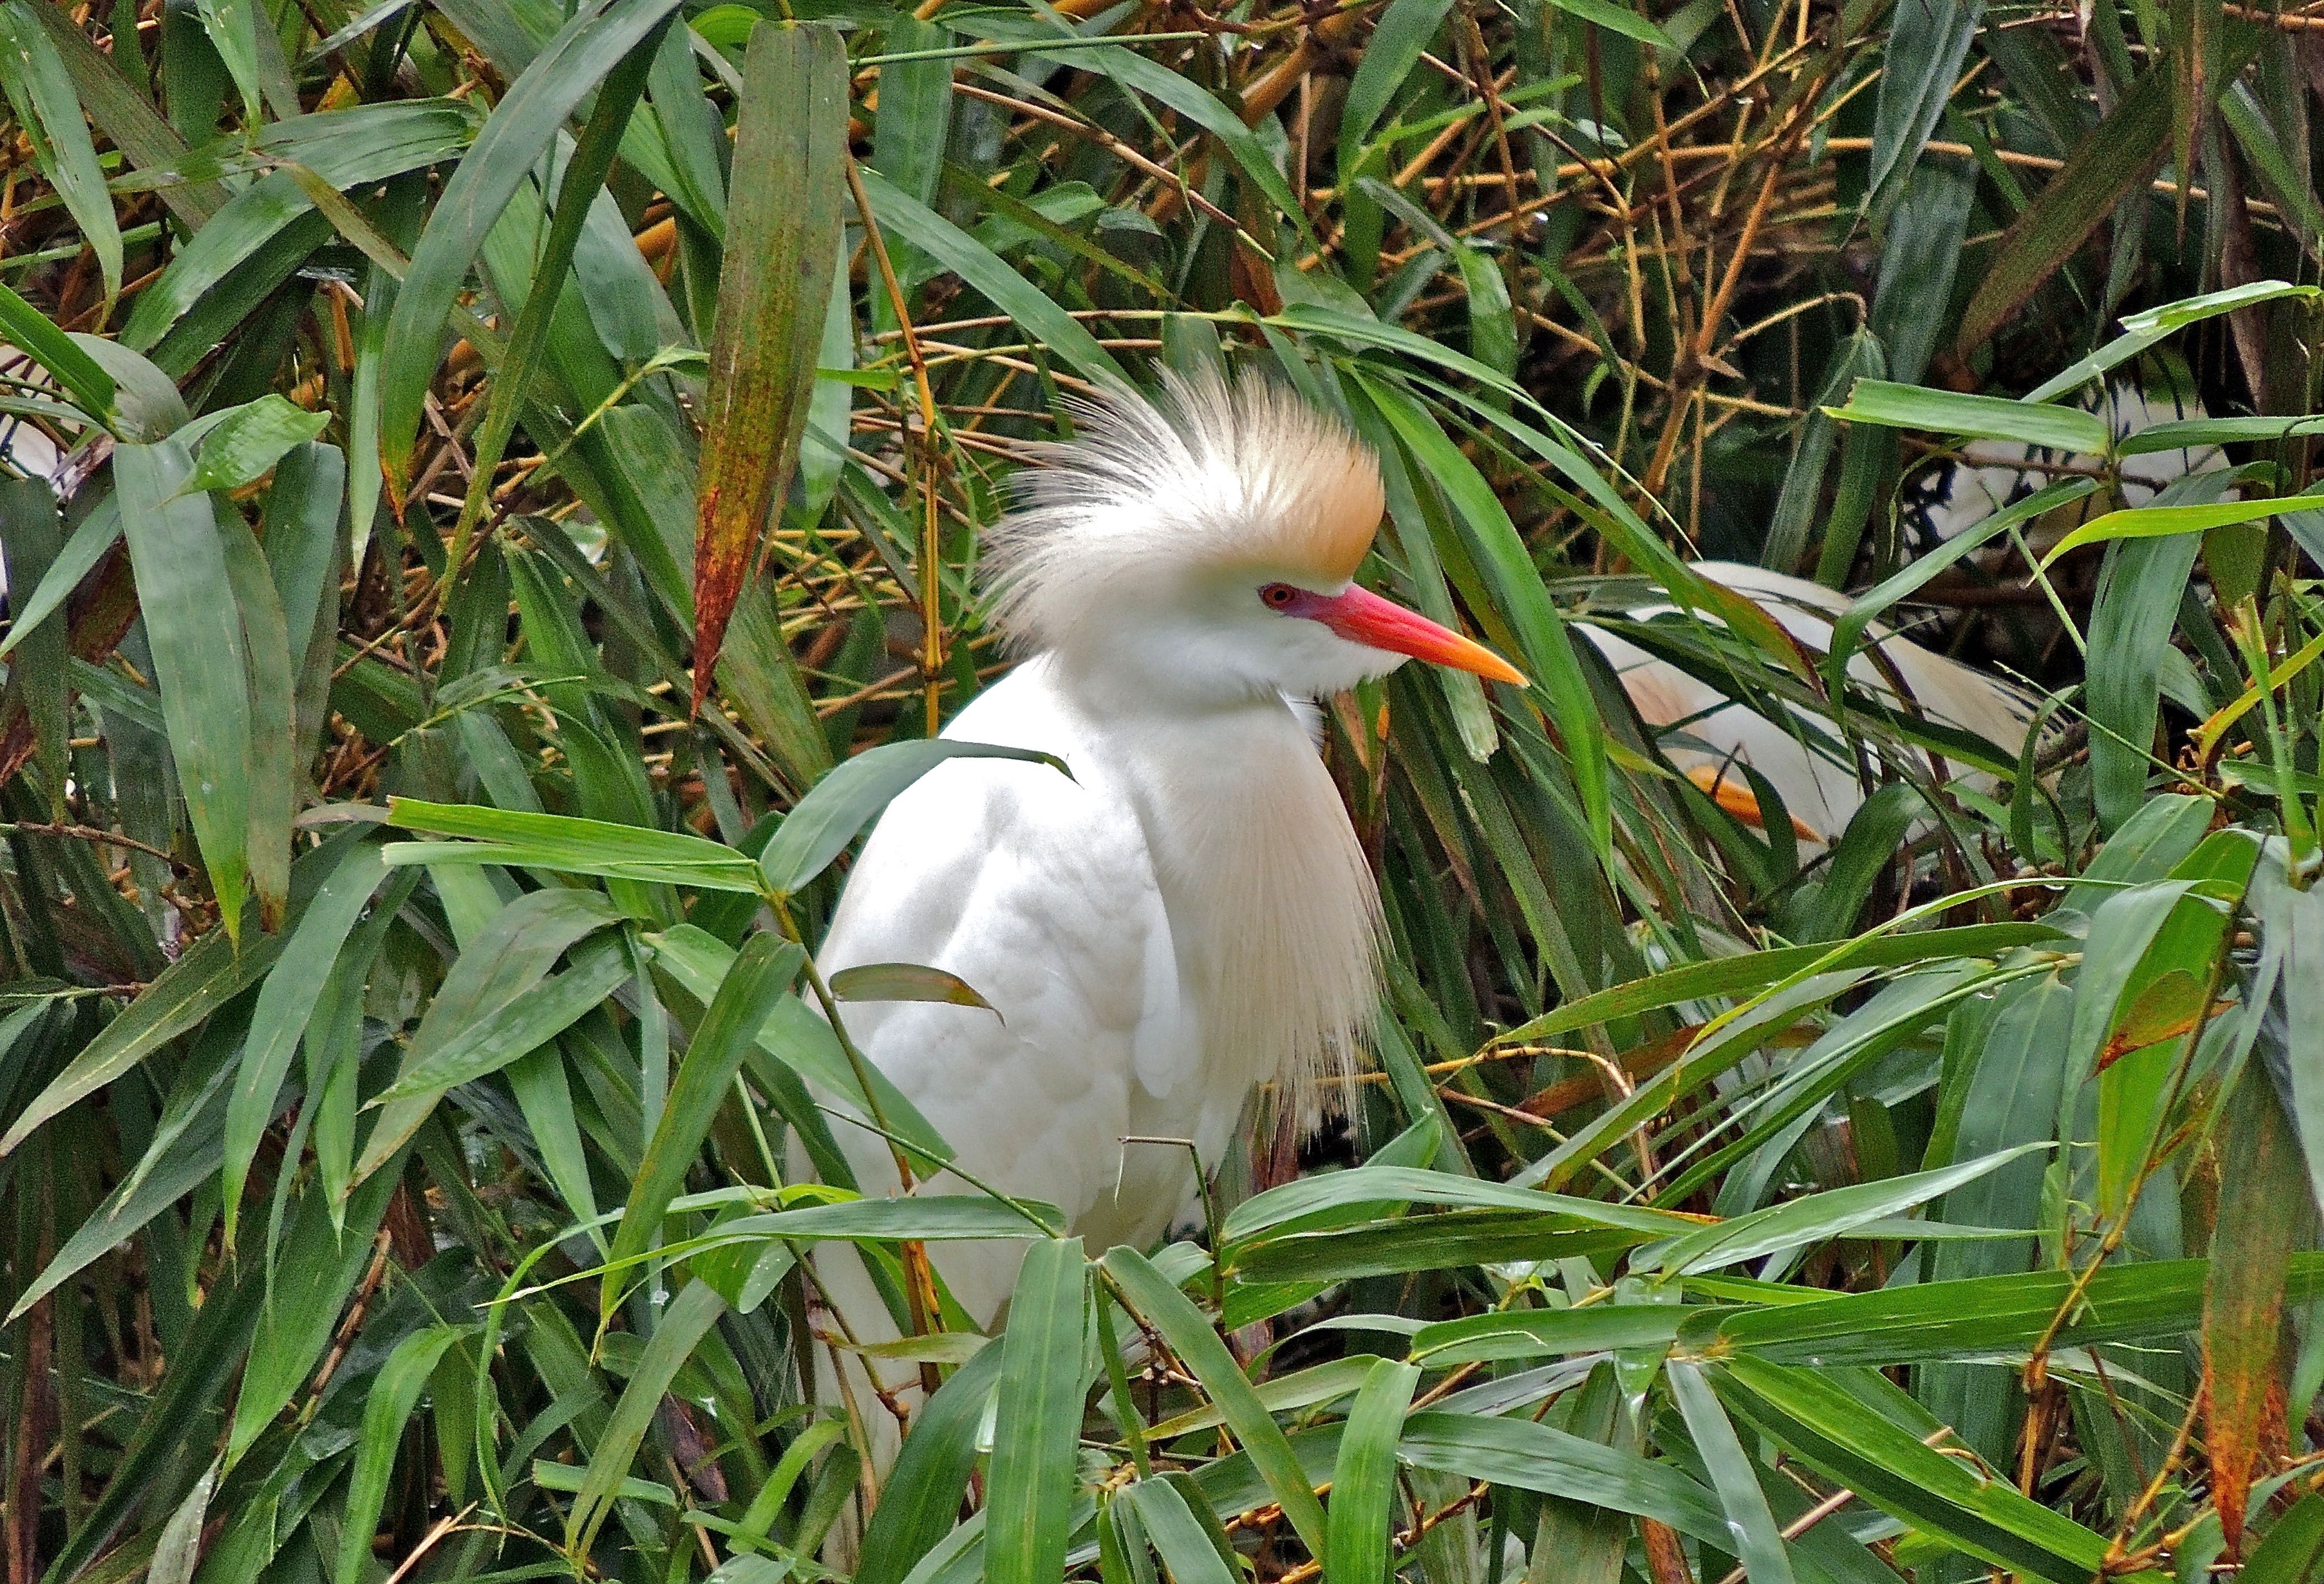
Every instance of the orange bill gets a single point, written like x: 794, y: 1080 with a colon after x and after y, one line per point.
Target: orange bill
x: 1734, y: 794
x: 1361, y: 617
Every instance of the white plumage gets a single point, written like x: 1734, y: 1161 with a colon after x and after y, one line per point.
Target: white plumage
x: 1189, y: 915
x: 1947, y: 501
x: 1804, y: 757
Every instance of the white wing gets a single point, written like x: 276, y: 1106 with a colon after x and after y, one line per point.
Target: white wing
x: 1810, y: 766
x: 1039, y: 892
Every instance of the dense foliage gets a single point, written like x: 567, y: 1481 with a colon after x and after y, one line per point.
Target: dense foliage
x: 576, y: 424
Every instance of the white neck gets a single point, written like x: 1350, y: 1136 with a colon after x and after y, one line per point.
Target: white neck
x: 1258, y: 866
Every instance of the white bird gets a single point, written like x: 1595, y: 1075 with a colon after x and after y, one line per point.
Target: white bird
x: 1705, y: 734
x: 1190, y: 915
x: 1946, y: 501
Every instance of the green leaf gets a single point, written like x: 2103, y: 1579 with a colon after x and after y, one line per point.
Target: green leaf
x: 316, y: 1264
x: 1818, y: 1214
x: 2162, y: 521
x: 680, y: 1329
x: 280, y: 1016
x: 1187, y: 1334
x: 2294, y: 1550
x: 520, y: 130
x: 762, y: 971
x: 2130, y: 628
x: 31, y: 547
x: 92, y: 389
x: 394, y: 1393
x: 40, y: 91
x: 1189, y: 1548
x: 1848, y: 632
x: 274, y: 777
x: 2108, y: 162
x: 574, y: 846
x: 520, y: 1027
x: 2149, y: 325
x: 848, y: 800
x: 333, y: 150
x: 1037, y: 1432
x: 899, y: 214
x: 1755, y: 971
x: 233, y: 31
x: 920, y: 1503
x: 798, y: 1038
x: 200, y: 663
x: 1515, y: 1451
x: 1397, y: 41
x: 211, y: 973
x: 1732, y: 1475
x: 88, y: 546
x: 511, y: 956
x: 179, y: 1547
x: 1620, y: 19
x: 1518, y: 595
x: 248, y: 441
x: 904, y: 981
x: 926, y: 1217
x: 2034, y: 423
x: 1305, y: 1201
x: 1532, y: 1333
x: 577, y: 190
x: 179, y: 1160
x: 1847, y: 1437
x: 1976, y: 1317
x: 1362, y: 1512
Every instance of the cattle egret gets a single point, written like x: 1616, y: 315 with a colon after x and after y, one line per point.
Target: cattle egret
x: 1189, y: 915
x: 1946, y: 501
x: 1706, y: 734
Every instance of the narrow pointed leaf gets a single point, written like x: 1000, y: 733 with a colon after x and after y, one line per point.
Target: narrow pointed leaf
x: 774, y: 291
x: 1036, y: 1432
x: 183, y: 585
x: 1362, y: 1512
x: 762, y: 971
x: 846, y: 802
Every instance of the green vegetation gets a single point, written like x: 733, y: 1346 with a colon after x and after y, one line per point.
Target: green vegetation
x: 458, y: 395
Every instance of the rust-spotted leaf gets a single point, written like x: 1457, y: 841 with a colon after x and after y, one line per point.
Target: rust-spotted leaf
x: 774, y: 289
x: 2265, y: 1212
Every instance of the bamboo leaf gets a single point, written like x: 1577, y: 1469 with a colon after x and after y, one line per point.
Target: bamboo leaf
x: 902, y: 215
x: 1733, y: 1475
x: 848, y: 800
x: 248, y: 441
x: 521, y: 127
x: 681, y: 1327
x: 2036, y: 424
x: 282, y: 1013
x: 1362, y: 1512
x: 203, y: 669
x: 2163, y: 522
x: 904, y: 981
x: 774, y: 286
x: 91, y: 388
x: 40, y: 91
x: 2266, y: 1214
x: 762, y: 971
x: 394, y: 1393
x: 1188, y: 1335
x: 1036, y: 1432
x: 922, y: 1498
x: 511, y: 955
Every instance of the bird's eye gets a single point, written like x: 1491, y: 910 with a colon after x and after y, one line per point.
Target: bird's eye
x: 1278, y: 596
